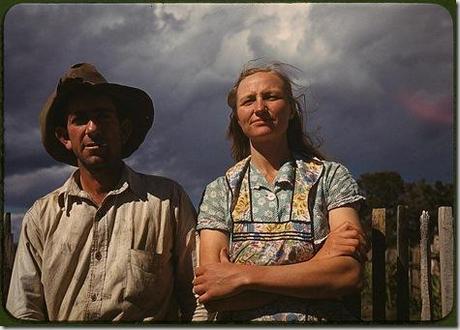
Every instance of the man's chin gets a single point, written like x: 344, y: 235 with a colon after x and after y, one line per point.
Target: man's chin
x: 95, y: 163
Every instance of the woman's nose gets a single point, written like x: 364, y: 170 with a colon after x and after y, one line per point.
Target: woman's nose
x: 260, y: 105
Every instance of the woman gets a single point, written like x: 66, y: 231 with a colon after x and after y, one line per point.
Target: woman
x: 286, y: 217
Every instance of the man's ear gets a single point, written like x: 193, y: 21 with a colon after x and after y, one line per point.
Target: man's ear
x: 126, y: 128
x: 62, y: 135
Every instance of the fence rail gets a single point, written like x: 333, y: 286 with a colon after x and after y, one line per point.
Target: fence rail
x: 413, y: 266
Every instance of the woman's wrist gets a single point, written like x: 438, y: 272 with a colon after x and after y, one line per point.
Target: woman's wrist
x: 248, y: 277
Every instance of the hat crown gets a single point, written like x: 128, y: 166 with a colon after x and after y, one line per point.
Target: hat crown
x: 85, y: 72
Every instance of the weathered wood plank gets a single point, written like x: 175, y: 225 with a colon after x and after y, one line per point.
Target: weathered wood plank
x: 425, y: 268
x: 446, y: 258
x: 402, y: 270
x: 378, y: 264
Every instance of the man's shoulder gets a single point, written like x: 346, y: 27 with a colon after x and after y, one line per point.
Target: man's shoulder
x: 45, y: 206
x: 52, y: 197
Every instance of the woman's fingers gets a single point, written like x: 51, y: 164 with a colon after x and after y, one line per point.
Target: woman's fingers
x: 199, y: 271
x: 199, y: 290
x: 347, y: 230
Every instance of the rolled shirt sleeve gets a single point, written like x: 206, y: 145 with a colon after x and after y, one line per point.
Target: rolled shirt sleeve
x: 186, y: 260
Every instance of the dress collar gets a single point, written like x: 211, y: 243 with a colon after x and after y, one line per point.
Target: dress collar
x: 285, y: 176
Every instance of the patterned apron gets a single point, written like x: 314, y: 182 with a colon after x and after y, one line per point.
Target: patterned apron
x: 275, y: 243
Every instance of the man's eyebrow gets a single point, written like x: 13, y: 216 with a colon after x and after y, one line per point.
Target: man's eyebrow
x: 98, y: 109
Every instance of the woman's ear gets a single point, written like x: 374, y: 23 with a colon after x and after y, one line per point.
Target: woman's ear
x: 62, y: 135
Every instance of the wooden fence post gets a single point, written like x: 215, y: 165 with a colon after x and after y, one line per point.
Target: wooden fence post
x: 402, y: 270
x: 415, y: 280
x: 446, y: 250
x: 425, y: 268
x: 378, y: 265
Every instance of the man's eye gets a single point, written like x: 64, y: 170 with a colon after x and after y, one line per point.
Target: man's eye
x: 106, y: 116
x: 103, y: 116
x: 247, y: 102
x: 79, y: 120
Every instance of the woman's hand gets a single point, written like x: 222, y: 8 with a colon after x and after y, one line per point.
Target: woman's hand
x: 219, y: 280
x: 345, y: 240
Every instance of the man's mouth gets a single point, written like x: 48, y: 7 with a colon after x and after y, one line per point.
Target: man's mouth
x: 93, y: 146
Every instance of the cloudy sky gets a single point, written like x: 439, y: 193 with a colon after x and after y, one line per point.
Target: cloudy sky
x: 379, y: 78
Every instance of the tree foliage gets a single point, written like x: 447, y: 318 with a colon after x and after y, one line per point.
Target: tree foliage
x: 383, y: 189
x: 388, y: 189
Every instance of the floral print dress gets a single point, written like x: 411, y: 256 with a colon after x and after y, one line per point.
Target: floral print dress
x: 278, y: 224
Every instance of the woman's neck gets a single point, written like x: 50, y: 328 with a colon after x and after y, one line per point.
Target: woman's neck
x: 269, y: 157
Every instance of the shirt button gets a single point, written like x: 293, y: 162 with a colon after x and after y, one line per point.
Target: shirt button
x: 271, y: 196
x: 98, y: 255
x: 93, y: 297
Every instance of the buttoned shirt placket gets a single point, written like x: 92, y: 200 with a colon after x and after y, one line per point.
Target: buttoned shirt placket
x: 282, y: 184
x: 102, y: 223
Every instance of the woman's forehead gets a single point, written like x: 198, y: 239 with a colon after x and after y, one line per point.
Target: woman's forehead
x: 260, y: 80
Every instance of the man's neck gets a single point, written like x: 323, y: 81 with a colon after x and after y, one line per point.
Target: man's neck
x: 99, y: 182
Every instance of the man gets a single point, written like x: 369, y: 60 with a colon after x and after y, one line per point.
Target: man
x: 110, y: 244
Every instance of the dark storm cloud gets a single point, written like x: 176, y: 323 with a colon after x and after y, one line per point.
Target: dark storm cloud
x: 378, y: 75
x: 375, y: 54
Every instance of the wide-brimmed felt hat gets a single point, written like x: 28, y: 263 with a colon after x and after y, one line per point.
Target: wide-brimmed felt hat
x: 135, y: 104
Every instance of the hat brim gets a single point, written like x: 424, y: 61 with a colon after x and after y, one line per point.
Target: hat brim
x: 135, y: 103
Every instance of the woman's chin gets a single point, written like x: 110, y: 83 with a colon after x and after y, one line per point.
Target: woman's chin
x: 268, y: 137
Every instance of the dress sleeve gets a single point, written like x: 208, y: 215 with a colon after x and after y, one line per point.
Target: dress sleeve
x: 25, y: 296
x: 341, y: 187
x: 213, y: 212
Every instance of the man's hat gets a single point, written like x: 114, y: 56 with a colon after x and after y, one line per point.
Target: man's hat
x: 135, y: 104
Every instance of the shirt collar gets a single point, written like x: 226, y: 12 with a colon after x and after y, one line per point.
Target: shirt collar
x: 129, y: 179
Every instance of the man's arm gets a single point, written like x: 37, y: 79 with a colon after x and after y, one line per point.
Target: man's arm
x: 186, y: 242
x: 25, y: 296
x: 329, y: 274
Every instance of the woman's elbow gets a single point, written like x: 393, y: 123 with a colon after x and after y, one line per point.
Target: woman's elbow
x: 353, y: 277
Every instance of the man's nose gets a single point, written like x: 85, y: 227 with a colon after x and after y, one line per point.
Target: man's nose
x: 91, y: 127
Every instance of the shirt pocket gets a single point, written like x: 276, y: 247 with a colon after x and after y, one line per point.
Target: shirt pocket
x: 143, y: 273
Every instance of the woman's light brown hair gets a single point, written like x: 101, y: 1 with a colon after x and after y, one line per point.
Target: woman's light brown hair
x: 298, y: 140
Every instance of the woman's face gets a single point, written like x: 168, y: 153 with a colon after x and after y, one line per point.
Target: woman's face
x: 262, y: 107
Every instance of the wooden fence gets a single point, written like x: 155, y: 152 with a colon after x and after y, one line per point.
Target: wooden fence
x: 413, y: 268
x: 403, y: 280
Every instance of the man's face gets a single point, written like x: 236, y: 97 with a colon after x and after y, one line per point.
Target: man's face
x: 93, y: 132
